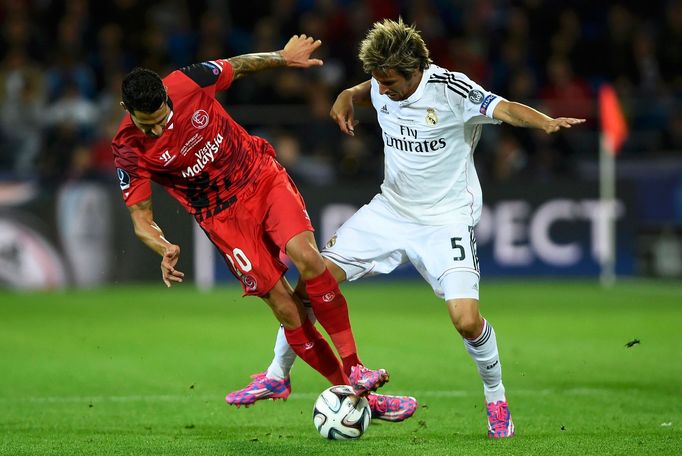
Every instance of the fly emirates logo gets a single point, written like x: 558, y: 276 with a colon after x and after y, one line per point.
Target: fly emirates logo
x: 205, y: 155
x: 410, y: 143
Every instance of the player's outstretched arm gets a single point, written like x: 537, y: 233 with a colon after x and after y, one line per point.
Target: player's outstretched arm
x: 149, y: 232
x: 342, y: 111
x: 520, y: 115
x: 296, y: 53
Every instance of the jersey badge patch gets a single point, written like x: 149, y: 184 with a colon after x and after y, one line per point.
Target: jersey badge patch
x: 486, y: 102
x: 212, y: 67
x: 431, y: 117
x: 476, y: 96
x: 331, y: 242
x: 249, y: 282
x: 123, y: 178
x: 200, y: 119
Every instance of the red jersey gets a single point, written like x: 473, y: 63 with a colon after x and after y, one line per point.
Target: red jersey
x: 203, y: 158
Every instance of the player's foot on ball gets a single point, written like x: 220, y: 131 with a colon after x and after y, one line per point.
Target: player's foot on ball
x: 391, y: 408
x: 500, y: 423
x: 260, y: 388
x: 364, y: 380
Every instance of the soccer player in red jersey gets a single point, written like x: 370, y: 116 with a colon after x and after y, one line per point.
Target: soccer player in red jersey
x: 178, y: 135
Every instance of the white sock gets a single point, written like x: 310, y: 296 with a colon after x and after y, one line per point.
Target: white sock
x: 483, y: 351
x: 281, y: 364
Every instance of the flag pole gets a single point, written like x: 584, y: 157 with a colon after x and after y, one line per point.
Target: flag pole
x: 614, y: 131
x: 607, y: 199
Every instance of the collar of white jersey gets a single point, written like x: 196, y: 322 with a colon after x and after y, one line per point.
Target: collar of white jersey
x: 426, y: 74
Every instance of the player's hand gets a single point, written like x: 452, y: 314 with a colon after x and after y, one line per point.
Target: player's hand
x: 343, y: 114
x: 557, y: 124
x: 168, y: 262
x: 297, y: 51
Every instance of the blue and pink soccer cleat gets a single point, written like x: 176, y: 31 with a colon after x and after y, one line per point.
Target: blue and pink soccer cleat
x: 383, y: 407
x: 260, y: 388
x: 500, y: 423
x: 391, y: 408
x: 365, y: 380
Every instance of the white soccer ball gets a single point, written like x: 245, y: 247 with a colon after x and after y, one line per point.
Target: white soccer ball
x: 340, y: 414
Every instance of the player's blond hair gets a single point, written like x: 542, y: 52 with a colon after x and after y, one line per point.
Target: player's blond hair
x: 394, y: 45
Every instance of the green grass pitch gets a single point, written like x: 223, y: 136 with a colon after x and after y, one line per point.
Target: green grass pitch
x: 144, y: 370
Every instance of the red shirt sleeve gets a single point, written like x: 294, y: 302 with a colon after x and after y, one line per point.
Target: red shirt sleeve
x: 134, y: 181
x: 211, y: 76
x: 226, y: 75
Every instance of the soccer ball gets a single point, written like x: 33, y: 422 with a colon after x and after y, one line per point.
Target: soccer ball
x: 340, y: 414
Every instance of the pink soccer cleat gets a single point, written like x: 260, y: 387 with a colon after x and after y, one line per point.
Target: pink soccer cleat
x: 260, y: 388
x: 391, y: 408
x: 500, y: 423
x: 364, y: 380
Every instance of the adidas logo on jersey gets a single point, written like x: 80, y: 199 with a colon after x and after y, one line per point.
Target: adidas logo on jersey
x: 384, y: 109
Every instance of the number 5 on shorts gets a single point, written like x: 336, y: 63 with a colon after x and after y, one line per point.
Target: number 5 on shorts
x: 461, y: 254
x: 461, y: 251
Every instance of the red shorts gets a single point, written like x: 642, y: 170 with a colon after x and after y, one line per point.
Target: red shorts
x: 251, y: 233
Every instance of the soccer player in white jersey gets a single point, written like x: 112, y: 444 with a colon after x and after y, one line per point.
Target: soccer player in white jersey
x: 430, y: 200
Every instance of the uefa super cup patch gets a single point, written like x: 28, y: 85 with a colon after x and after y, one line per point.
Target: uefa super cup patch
x: 205, y: 73
x: 486, y: 102
x: 123, y: 178
x: 212, y: 67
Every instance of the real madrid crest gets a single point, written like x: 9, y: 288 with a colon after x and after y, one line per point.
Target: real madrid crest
x: 331, y: 242
x: 431, y: 117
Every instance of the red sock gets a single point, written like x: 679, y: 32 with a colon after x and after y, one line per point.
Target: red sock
x: 311, y: 347
x: 331, y: 311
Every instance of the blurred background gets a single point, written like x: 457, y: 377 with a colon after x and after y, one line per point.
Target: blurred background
x: 62, y: 220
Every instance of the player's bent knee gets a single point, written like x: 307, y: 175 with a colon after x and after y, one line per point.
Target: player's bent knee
x: 305, y: 256
x: 465, y: 316
x: 309, y: 264
x: 469, y: 327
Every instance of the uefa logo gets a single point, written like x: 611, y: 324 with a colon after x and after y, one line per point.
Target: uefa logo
x: 200, y: 119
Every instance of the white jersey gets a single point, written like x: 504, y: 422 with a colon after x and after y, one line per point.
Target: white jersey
x: 429, y: 140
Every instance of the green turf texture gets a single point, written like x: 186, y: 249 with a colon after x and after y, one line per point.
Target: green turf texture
x: 144, y: 370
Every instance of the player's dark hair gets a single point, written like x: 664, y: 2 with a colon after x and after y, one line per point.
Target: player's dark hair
x: 142, y: 90
x: 394, y: 45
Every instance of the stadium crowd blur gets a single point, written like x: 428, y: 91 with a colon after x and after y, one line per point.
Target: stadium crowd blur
x: 62, y: 61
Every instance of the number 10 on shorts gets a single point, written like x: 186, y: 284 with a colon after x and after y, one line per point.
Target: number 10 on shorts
x: 241, y: 259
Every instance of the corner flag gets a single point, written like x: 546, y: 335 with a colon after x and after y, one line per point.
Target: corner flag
x: 614, y: 131
x: 613, y: 124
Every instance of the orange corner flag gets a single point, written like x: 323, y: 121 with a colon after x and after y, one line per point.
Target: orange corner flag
x: 613, y: 124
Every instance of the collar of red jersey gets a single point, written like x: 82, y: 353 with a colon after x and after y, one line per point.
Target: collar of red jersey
x: 169, y: 124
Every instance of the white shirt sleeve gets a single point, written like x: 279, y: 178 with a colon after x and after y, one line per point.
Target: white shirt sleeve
x: 477, y: 106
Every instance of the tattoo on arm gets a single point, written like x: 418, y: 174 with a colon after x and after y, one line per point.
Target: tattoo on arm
x: 251, y: 63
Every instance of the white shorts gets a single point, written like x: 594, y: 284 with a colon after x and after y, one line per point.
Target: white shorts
x: 376, y: 240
